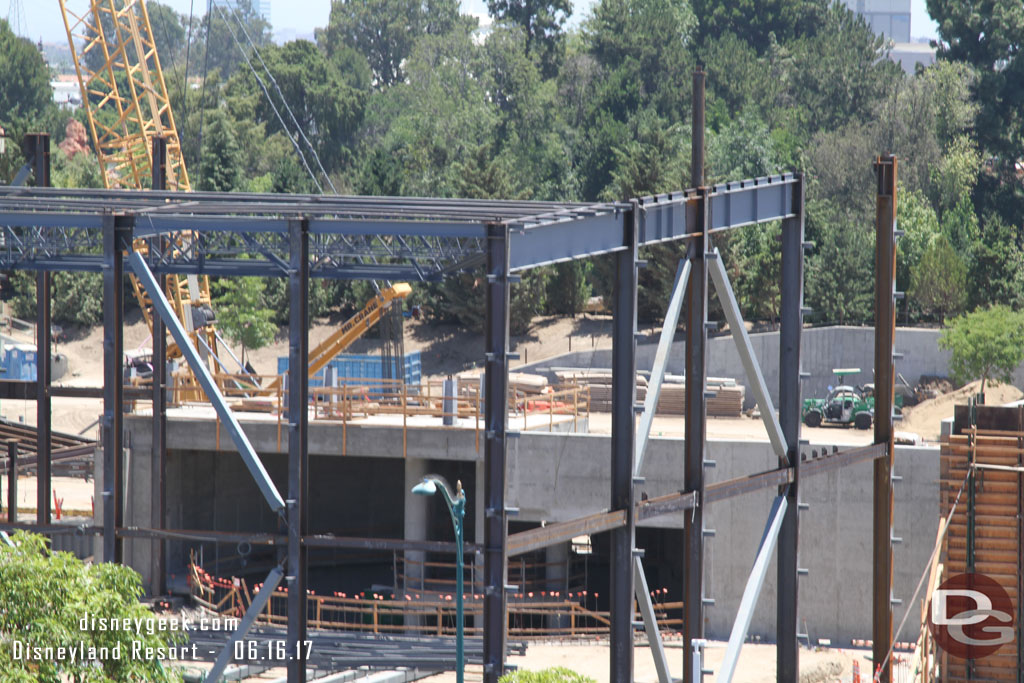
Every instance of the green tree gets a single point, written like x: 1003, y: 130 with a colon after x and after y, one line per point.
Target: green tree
x: 997, y: 270
x: 220, y: 41
x: 221, y: 154
x: 24, y: 79
x: 988, y: 35
x: 326, y: 108
x: 385, y: 31
x: 569, y: 288
x: 939, y: 282
x: 916, y: 217
x: 542, y: 21
x: 46, y: 594
x: 987, y: 344
x: 168, y: 33
x: 839, y: 270
x: 754, y: 21
x: 242, y: 315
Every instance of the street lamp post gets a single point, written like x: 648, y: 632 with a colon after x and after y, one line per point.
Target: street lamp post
x: 431, y: 484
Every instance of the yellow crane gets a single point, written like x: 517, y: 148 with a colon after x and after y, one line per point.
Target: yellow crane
x: 125, y: 99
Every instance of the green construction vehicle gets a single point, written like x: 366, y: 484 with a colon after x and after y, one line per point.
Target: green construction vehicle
x: 845, y: 405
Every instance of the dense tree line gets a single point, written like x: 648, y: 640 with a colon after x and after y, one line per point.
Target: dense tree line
x: 410, y: 97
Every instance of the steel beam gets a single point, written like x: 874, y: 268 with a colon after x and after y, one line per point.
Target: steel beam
x: 623, y: 442
x: 39, y: 144
x: 545, y: 536
x: 259, y: 602
x: 495, y: 450
x: 791, y: 294
x: 734, y: 316
x: 643, y: 599
x: 298, y: 446
x: 206, y: 381
x: 885, y: 329
x: 668, y: 333
x: 158, y: 444
x: 117, y: 236
x: 752, y: 591
x: 696, y: 379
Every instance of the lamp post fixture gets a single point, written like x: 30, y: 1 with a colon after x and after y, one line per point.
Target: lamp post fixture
x: 456, y: 501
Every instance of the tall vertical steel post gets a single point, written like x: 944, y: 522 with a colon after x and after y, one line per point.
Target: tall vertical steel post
x: 39, y: 144
x: 791, y: 293
x: 495, y: 450
x: 159, y: 441
x: 623, y: 436
x: 885, y: 332
x: 696, y: 375
x: 298, y: 451
x: 12, y: 481
x: 117, y: 236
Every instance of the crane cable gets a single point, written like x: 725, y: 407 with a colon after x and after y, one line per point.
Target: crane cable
x: 266, y: 92
x: 273, y: 81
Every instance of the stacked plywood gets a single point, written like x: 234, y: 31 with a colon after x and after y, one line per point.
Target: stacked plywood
x: 727, y: 402
x: 985, y: 531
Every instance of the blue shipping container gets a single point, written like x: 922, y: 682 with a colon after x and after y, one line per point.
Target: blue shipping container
x: 356, y: 368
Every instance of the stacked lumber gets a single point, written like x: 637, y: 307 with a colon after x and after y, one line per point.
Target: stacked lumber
x: 990, y: 506
x: 522, y: 382
x: 727, y: 402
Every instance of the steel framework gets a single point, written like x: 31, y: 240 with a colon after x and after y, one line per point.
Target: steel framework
x: 300, y: 237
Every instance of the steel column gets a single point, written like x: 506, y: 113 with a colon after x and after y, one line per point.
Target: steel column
x: 159, y: 441
x: 44, y: 353
x: 495, y: 450
x: 791, y: 294
x: 44, y: 484
x: 39, y: 144
x: 298, y: 452
x: 696, y: 379
x: 12, y: 481
x: 117, y: 236
x: 623, y: 437
x: 885, y: 329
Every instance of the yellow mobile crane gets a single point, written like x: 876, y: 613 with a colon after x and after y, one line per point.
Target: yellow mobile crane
x: 124, y: 116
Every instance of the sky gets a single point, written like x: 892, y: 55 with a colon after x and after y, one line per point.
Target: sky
x: 42, y: 19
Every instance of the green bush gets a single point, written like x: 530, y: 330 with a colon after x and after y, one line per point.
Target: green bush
x: 557, y: 674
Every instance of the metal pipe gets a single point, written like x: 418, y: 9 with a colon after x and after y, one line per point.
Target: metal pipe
x: 885, y: 328
x: 623, y: 442
x: 643, y: 598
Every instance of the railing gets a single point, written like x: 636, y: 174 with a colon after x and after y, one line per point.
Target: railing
x: 429, y: 615
x: 377, y: 396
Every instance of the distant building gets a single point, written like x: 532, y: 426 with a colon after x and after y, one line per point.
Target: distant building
x: 890, y: 18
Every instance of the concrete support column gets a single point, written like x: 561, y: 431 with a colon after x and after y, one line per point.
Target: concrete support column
x: 556, y: 578
x: 416, y: 518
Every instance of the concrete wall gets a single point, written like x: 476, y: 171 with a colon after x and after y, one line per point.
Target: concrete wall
x: 822, y: 349
x: 559, y: 477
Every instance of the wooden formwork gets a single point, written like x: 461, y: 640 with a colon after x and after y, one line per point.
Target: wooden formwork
x: 986, y: 449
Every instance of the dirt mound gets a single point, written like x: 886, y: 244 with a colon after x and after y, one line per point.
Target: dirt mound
x: 925, y: 417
